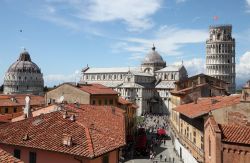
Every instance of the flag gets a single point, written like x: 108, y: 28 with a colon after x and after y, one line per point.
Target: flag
x: 216, y: 17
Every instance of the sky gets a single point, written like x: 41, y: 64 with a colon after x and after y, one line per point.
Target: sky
x: 64, y: 36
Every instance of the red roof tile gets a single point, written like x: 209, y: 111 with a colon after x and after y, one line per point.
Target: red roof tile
x: 205, y: 105
x: 6, y: 157
x: 8, y: 117
x: 19, y: 100
x: 96, y: 130
x: 235, y: 133
x: 97, y: 89
x: 123, y: 101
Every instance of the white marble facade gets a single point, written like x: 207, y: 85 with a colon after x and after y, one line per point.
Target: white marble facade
x: 220, y: 57
x: 147, y: 86
x: 23, y: 77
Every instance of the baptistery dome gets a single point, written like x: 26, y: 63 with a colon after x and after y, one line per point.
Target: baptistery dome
x: 23, y: 76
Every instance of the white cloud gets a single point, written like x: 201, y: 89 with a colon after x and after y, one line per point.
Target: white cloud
x: 55, y: 79
x: 194, y: 66
x: 136, y: 14
x: 248, y: 6
x: 243, y: 68
x: 248, y: 2
x: 168, y: 40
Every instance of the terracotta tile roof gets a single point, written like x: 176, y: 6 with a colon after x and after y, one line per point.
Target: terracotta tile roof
x: 200, y: 75
x: 97, y: 89
x: 8, y: 158
x: 19, y: 100
x: 95, y: 131
x: 123, y: 101
x: 8, y: 117
x: 189, y: 89
x: 185, y: 90
x: 235, y: 133
x: 205, y: 105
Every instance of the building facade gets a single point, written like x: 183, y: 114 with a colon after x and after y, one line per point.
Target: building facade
x: 226, y: 143
x: 23, y: 76
x: 220, y: 54
x: 147, y: 86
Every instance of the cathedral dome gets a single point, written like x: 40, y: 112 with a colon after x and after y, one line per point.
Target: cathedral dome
x: 153, y: 57
x: 23, y: 76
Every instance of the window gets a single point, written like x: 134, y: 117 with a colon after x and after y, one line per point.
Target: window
x: 111, y: 102
x: 17, y: 153
x: 6, y: 110
x: 14, y: 110
x: 32, y: 157
x: 93, y: 102
x: 105, y: 159
x: 194, y: 139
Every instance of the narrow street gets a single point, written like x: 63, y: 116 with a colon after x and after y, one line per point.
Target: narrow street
x: 151, y: 124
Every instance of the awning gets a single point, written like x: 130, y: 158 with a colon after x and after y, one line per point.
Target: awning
x: 161, y: 132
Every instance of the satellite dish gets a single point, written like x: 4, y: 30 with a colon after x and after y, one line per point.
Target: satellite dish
x: 61, y: 99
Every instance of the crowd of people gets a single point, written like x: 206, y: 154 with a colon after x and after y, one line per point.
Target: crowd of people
x: 153, y: 122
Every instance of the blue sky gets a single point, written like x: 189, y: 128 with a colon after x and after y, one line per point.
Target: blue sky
x: 64, y: 36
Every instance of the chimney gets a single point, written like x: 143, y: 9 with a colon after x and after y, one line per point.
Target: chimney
x: 113, y: 109
x: 27, y: 110
x: 67, y: 140
x: 213, y: 101
x: 65, y: 115
x: 72, y: 118
x: 195, y: 100
x: 26, y: 137
x: 77, y: 104
x: 92, y: 126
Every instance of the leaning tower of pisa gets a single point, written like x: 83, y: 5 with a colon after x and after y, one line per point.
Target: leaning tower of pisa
x: 220, y: 58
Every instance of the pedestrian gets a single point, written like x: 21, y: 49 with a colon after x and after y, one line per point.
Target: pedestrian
x: 164, y: 142
x: 160, y: 157
x: 165, y: 158
x: 173, y: 159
